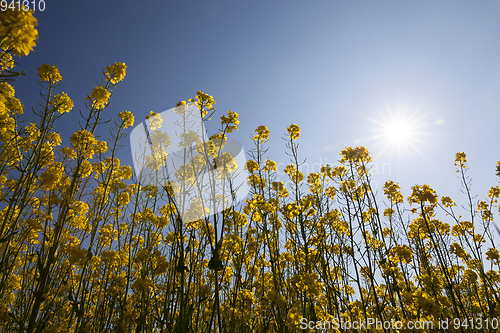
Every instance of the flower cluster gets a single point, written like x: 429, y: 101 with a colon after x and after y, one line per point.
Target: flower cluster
x: 294, y: 131
x: 231, y: 121
x: 128, y: 118
x: 62, y: 102
x: 18, y: 32
x: 115, y: 72
x: 99, y: 97
x: 48, y: 73
x: 262, y: 134
x: 6, y: 61
x: 423, y: 193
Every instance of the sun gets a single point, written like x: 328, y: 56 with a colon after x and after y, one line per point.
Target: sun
x: 400, y: 132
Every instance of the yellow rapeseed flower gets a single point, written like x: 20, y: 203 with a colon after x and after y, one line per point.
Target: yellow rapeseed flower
x: 460, y: 160
x: 7, y: 90
x: 447, y: 202
x: 294, y: 131
x: 391, y: 190
x: 6, y: 61
x: 116, y: 72
x: 423, y: 193
x: 50, y: 179
x: 356, y: 154
x: 54, y: 138
x: 270, y: 166
x: 231, y: 120
x: 154, y: 120
x: 110, y: 258
x: 401, y: 254
x: 100, y: 97
x: 17, y: 31
x: 252, y: 166
x: 205, y: 102
x: 62, y: 102
x: 48, y: 73
x: 127, y: 117
x: 84, y: 140
x: 262, y: 134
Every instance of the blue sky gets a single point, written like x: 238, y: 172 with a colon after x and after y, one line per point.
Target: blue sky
x: 336, y: 68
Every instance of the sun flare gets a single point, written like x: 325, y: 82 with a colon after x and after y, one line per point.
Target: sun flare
x: 400, y: 132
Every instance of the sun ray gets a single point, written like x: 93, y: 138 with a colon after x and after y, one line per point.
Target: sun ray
x: 400, y: 132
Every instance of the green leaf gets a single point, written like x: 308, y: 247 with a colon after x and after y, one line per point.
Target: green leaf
x: 215, y: 263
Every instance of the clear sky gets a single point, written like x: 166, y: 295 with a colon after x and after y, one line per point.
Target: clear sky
x: 341, y: 70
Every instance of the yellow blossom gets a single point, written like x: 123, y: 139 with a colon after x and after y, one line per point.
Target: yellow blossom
x: 99, y: 97
x: 231, y: 120
x: 391, y: 190
x: 447, y: 202
x: 460, y: 160
x: 6, y: 61
x: 270, y: 166
x: 493, y: 254
x: 83, y: 140
x: 110, y: 258
x: 154, y: 120
x: 48, y: 73
x: 116, y: 72
x: 205, y: 102
x: 144, y: 285
x: 356, y: 155
x: 294, y: 131
x: 262, y: 134
x: 401, y: 253
x: 62, y: 102
x: 7, y: 90
x: 51, y: 178
x: 423, y: 193
x: 127, y: 118
x: 252, y: 166
x: 17, y: 27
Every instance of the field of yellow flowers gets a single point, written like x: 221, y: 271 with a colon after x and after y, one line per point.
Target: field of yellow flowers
x: 85, y: 248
